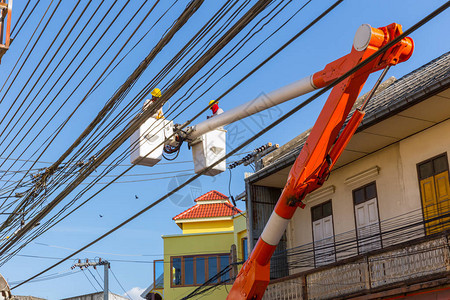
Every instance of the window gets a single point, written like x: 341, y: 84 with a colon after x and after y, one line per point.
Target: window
x: 323, y: 234
x: 197, y: 269
x: 176, y: 271
x: 434, y: 192
x: 200, y: 270
x: 366, y: 216
x: 188, y: 270
x: 224, y: 262
x: 158, y: 274
x: 212, y: 268
x: 244, y: 244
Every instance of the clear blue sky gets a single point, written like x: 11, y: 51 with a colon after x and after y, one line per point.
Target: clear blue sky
x: 141, y: 240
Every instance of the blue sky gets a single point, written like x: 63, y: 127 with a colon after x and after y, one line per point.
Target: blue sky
x: 141, y: 239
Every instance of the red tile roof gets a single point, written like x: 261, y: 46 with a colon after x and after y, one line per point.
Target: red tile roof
x: 209, y: 210
x: 211, y: 195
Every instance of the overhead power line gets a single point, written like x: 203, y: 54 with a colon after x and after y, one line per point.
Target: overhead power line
x: 36, y: 203
x: 28, y: 55
x: 124, y: 89
x: 76, y: 208
x: 248, y: 16
x: 26, y: 18
x: 66, y: 82
x: 120, y: 284
x: 251, y: 139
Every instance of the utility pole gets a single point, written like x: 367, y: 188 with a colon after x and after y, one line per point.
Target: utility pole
x: 94, y: 264
x: 105, y: 279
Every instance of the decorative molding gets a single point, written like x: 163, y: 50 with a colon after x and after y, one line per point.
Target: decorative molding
x: 193, y: 234
x: 363, y: 177
x: 218, y: 201
x: 320, y: 194
x: 203, y: 219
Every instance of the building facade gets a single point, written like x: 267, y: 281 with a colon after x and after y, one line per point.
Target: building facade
x: 200, y: 257
x: 378, y: 227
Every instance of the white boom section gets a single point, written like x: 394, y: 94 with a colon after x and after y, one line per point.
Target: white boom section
x: 262, y: 102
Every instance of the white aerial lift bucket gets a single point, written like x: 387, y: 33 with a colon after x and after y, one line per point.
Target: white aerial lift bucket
x: 209, y: 148
x: 146, y: 142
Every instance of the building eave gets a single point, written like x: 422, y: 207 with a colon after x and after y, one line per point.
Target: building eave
x: 212, y: 219
x: 195, y: 234
x: 422, y: 88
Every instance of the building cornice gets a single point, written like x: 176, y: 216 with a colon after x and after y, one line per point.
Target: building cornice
x: 204, y: 219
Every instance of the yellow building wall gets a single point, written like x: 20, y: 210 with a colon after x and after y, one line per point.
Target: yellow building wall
x: 207, y: 226
x: 240, y: 232
x: 193, y: 244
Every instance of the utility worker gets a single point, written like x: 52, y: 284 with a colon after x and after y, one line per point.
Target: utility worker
x: 156, y: 93
x: 216, y: 110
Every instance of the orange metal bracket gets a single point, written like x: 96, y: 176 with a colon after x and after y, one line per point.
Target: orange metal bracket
x: 321, y: 150
x: 5, y: 12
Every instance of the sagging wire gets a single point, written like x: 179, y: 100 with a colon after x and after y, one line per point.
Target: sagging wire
x: 322, y: 15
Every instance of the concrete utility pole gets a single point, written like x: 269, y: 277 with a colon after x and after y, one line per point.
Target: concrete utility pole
x: 94, y: 264
x: 105, y: 281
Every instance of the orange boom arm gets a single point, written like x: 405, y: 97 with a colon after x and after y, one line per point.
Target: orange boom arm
x: 323, y: 146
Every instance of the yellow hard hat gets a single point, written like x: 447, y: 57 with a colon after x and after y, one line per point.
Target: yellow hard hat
x: 212, y: 102
x: 156, y: 93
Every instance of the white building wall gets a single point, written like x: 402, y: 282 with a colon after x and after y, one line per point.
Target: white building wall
x: 97, y: 296
x: 396, y: 182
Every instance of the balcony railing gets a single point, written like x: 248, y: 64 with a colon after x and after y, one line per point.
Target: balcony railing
x: 376, y: 271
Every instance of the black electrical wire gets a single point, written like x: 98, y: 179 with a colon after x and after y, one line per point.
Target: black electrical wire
x: 159, y: 75
x: 121, y: 286
x: 91, y: 50
x: 95, y: 278
x: 61, y: 127
x: 206, y: 286
x: 89, y: 280
x: 41, y: 74
x: 32, y: 73
x: 31, y: 50
x: 191, y: 8
x: 26, y: 19
x: 70, y: 77
x: 49, y: 277
x: 273, y: 124
x: 60, y: 61
x: 87, y: 74
x: 29, y: 41
x: 272, y: 33
x: 134, y: 46
x: 256, y: 8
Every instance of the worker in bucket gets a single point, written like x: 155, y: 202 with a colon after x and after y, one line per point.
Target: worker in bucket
x: 214, y: 106
x: 156, y: 93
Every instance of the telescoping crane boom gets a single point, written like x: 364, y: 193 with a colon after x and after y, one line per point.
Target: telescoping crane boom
x: 323, y: 146
x: 207, y: 139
